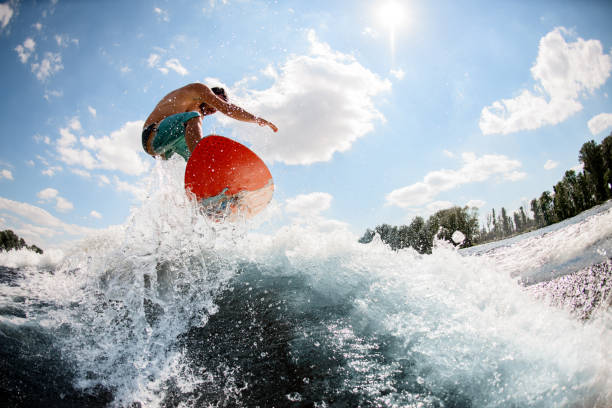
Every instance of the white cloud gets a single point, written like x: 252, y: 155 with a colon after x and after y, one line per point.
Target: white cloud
x: 153, y: 60
x: 64, y: 40
x: 29, y: 44
x: 82, y: 173
x: 50, y: 171
x: 120, y: 151
x: 515, y: 176
x: 103, y: 180
x: 95, y: 214
x: 599, y: 123
x: 550, y: 164
x: 475, y: 169
x: 321, y: 103
x: 75, y: 124
x: 35, y: 231
x: 175, y: 65
x: 30, y: 163
x: 564, y: 72
x: 63, y: 205
x: 161, y: 14
x: 172, y: 64
x: 212, y: 5
x: 53, y: 93
x: 68, y: 153
x: 25, y: 50
x: 476, y: 203
x: 67, y: 138
x: 6, y: 174
x: 47, y: 194
x: 92, y: 111
x: 42, y: 160
x: 44, y: 223
x: 138, y: 191
x: 6, y: 13
x: 51, y: 64
x: 578, y: 168
x: 305, y: 211
x: 398, y: 73
x: 268, y: 71
x: 38, y: 26
x: 308, y: 204
x: 50, y: 194
x: 370, y: 32
x: 448, y: 153
x: 77, y: 157
x: 436, y: 206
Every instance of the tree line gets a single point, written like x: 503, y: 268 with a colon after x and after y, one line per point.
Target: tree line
x: 9, y: 240
x: 576, y: 192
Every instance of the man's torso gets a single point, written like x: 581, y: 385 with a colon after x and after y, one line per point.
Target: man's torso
x: 181, y: 100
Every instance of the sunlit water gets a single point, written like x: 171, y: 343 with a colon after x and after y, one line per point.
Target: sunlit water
x: 172, y: 309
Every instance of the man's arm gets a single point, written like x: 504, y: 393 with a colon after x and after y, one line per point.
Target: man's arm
x: 231, y: 110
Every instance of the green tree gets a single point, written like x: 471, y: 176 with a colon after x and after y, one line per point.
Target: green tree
x: 367, y: 237
x: 606, y: 153
x: 9, y: 240
x: 546, y: 206
x: 524, y: 221
x: 420, y: 238
x: 518, y: 223
x: 590, y: 155
x: 587, y: 190
x: 495, y: 225
x: 561, y: 201
x: 456, y: 219
x: 505, y: 222
x: 538, y: 216
x: 388, y: 235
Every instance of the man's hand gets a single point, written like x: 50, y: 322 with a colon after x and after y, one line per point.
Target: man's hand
x: 263, y: 122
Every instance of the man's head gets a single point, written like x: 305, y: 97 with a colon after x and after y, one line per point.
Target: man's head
x: 220, y: 92
x: 209, y: 110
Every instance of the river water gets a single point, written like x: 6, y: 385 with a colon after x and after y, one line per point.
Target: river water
x: 174, y: 310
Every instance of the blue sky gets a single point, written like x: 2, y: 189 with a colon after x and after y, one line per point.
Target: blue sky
x: 384, y: 111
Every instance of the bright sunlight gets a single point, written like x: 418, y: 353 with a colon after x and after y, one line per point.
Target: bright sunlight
x: 391, y: 15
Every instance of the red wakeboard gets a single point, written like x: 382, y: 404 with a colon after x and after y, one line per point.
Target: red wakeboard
x: 227, y: 178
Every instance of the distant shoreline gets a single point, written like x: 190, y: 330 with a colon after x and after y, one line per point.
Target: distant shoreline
x: 9, y: 241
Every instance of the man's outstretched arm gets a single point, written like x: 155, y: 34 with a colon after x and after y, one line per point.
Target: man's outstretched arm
x: 233, y: 111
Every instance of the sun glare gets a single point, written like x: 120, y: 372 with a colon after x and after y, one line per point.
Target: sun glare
x: 391, y: 14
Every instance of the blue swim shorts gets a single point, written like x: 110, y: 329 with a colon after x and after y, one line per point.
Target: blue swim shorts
x: 170, y: 136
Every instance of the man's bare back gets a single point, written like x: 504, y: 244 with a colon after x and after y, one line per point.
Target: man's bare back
x: 185, y: 99
x: 198, y: 98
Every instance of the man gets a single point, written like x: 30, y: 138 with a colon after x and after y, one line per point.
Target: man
x: 175, y: 125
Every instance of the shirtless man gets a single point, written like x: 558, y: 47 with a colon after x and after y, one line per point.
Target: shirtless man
x: 175, y: 125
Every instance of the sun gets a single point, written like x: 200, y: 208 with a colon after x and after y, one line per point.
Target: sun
x: 391, y: 14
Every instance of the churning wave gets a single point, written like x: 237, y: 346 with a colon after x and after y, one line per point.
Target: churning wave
x: 175, y: 310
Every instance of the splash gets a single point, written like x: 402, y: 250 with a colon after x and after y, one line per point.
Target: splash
x: 173, y: 309
x: 19, y: 258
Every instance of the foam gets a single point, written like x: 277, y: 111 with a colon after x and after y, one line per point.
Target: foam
x: 462, y: 321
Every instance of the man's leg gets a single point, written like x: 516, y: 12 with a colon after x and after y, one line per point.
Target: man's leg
x: 172, y: 136
x: 193, y: 132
